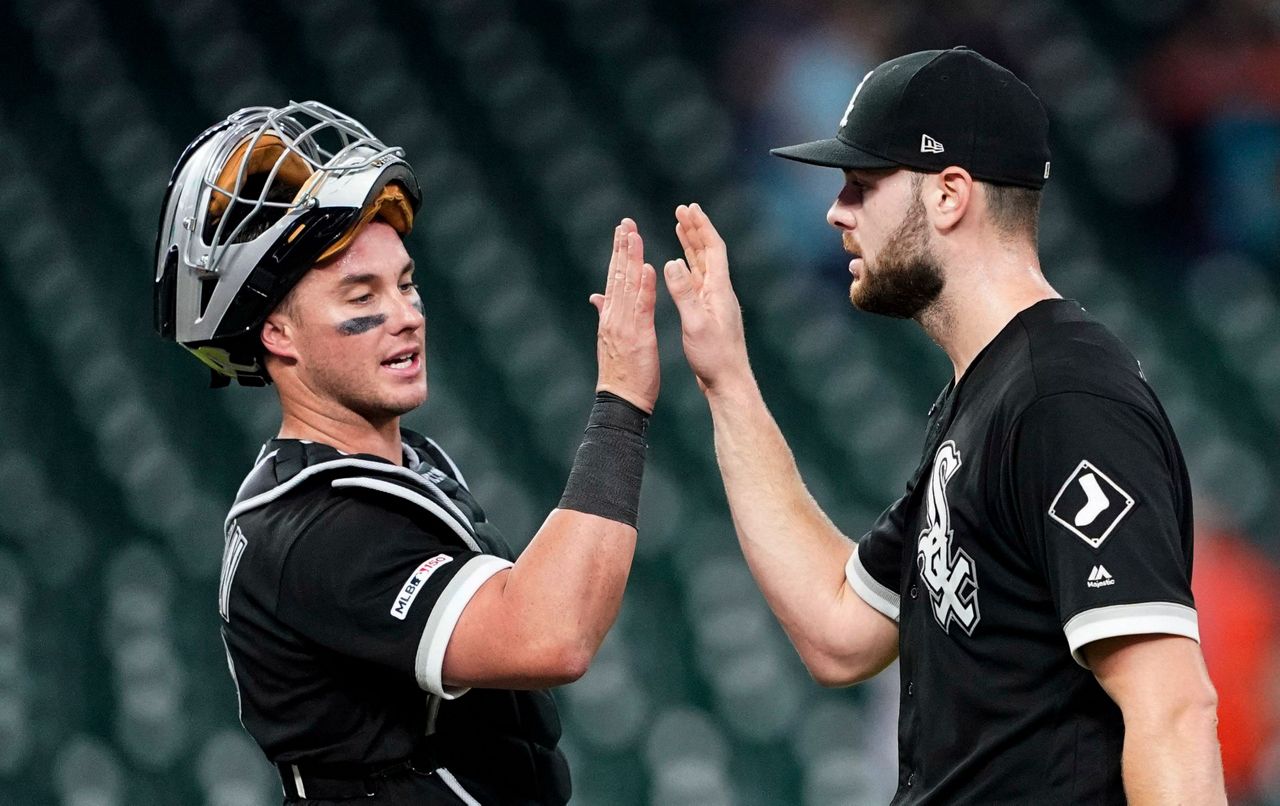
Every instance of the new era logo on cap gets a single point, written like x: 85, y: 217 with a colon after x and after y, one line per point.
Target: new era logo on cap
x: 1090, y: 505
x: 928, y: 145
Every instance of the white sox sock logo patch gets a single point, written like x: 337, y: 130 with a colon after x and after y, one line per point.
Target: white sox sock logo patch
x: 949, y: 574
x: 1090, y: 505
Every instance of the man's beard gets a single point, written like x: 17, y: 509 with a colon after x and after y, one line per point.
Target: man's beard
x: 906, y: 277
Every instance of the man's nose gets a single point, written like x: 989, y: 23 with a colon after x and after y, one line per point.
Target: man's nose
x: 409, y: 313
x: 839, y: 216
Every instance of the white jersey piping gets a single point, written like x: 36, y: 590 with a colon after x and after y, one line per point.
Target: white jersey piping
x: 364, y: 464
x: 429, y: 660
x: 1142, y: 618
x: 869, y: 590
x: 453, y: 784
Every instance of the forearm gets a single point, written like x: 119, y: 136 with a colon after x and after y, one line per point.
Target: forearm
x: 567, y: 585
x: 796, y: 554
x: 540, y: 623
x: 1175, y: 760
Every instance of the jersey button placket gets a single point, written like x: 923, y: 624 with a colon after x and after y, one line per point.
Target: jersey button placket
x: 914, y: 592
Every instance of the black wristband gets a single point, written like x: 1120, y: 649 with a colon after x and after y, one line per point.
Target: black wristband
x: 609, y: 467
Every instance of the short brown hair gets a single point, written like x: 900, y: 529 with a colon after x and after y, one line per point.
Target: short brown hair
x: 1015, y: 211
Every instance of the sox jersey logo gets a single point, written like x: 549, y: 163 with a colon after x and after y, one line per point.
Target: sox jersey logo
x: 949, y: 574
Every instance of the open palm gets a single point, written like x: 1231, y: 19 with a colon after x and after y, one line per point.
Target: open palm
x: 710, y: 317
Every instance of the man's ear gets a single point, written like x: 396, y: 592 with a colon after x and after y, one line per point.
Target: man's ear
x: 948, y: 196
x: 278, y: 335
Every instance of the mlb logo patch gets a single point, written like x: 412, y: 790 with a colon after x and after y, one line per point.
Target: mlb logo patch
x: 409, y: 591
x: 1090, y: 505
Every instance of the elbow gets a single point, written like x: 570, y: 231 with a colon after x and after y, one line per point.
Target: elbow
x: 574, y: 664
x: 847, y: 663
x: 565, y: 662
x: 838, y: 672
x: 1203, y: 710
x: 833, y: 678
x: 1197, y: 709
x: 1189, y: 713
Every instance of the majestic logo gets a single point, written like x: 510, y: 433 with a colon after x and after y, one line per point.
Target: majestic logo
x: 844, y: 121
x: 948, y: 573
x: 928, y: 145
x: 419, y: 577
x: 232, y: 551
x: 1090, y: 505
x: 1099, y: 577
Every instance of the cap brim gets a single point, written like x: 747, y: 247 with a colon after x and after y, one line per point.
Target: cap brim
x: 833, y: 153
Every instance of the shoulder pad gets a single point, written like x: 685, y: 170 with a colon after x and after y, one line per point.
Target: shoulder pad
x: 430, y: 452
x: 293, y: 462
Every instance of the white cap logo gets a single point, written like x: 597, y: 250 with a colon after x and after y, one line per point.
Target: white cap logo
x: 844, y: 121
x: 928, y: 145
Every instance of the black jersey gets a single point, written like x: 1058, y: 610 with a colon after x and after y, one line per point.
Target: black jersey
x: 1051, y: 508
x: 342, y: 581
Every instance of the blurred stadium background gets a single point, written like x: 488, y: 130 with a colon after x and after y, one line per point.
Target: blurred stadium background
x: 534, y: 126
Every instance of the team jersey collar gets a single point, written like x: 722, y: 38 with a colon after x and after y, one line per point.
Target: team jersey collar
x: 1043, y: 313
x: 291, y: 456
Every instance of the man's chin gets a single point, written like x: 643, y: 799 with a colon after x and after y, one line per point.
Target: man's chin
x: 866, y: 299
x: 408, y: 403
x: 396, y: 405
x: 881, y: 306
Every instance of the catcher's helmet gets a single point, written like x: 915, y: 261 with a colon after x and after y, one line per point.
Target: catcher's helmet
x: 253, y: 203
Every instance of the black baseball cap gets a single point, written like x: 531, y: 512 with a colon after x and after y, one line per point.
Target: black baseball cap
x: 936, y: 108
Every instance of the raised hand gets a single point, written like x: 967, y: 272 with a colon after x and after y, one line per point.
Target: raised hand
x: 626, y: 342
x: 710, y: 317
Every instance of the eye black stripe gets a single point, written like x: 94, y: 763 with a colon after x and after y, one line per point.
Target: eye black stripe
x: 361, y: 324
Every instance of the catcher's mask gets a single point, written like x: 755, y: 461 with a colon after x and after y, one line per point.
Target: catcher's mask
x: 253, y: 203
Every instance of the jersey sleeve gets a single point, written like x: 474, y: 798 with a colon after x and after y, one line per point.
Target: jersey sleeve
x: 1094, y: 486
x: 875, y: 568
x: 369, y: 582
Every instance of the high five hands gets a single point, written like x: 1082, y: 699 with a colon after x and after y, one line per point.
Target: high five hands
x: 626, y: 342
x: 710, y: 317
